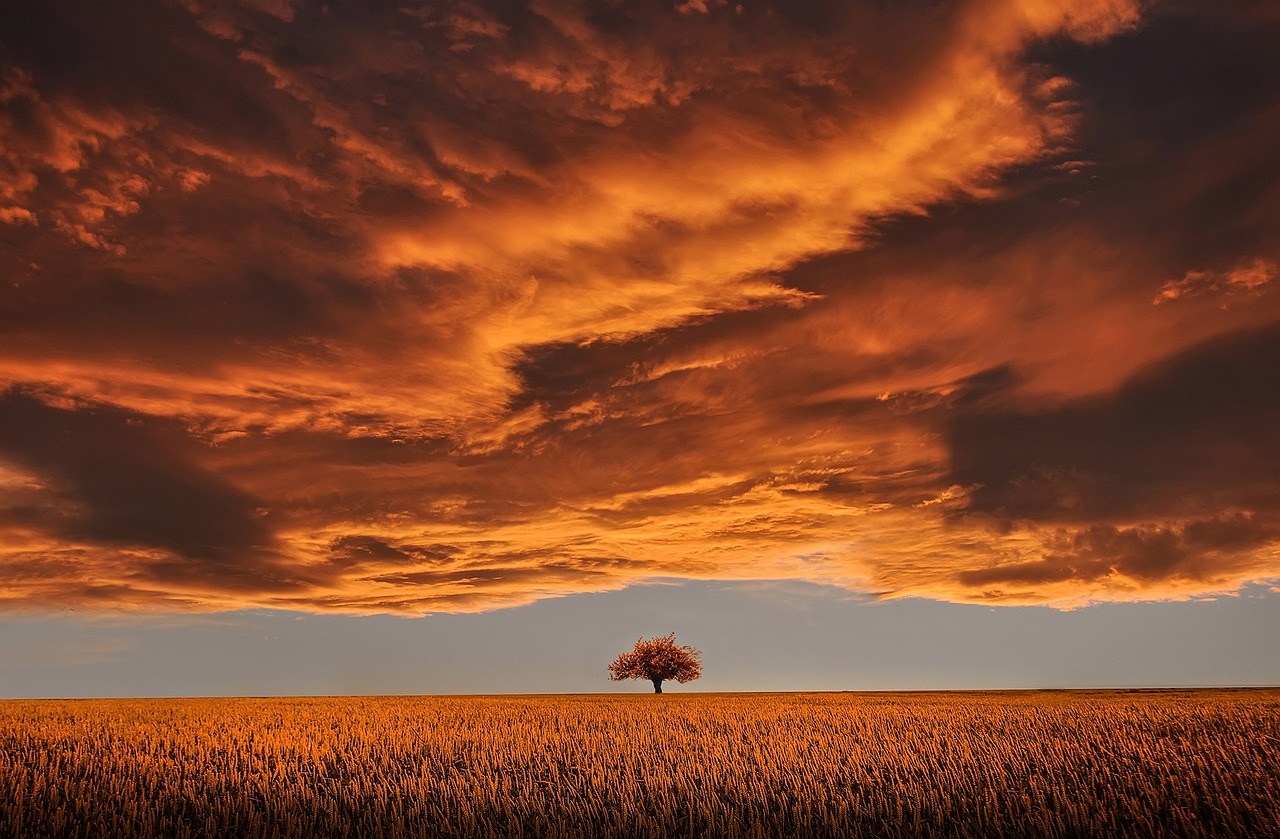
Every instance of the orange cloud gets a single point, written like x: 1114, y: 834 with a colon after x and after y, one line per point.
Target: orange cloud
x: 1246, y: 278
x: 422, y: 310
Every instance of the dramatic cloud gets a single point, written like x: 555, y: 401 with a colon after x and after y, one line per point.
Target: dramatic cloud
x: 97, y: 483
x: 447, y: 306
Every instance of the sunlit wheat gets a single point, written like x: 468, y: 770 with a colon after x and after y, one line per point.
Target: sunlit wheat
x: 1194, y: 763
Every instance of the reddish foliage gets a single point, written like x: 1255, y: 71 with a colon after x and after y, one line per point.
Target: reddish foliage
x: 657, y: 660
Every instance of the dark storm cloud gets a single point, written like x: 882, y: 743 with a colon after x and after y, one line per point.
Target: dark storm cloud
x: 1189, y: 436
x: 1197, y: 551
x: 115, y: 314
x: 1175, y: 123
x: 355, y: 549
x: 125, y: 480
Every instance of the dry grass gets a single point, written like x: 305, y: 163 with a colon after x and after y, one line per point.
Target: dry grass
x: 1187, y: 763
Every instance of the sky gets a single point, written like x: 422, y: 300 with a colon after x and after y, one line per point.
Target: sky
x: 380, y: 347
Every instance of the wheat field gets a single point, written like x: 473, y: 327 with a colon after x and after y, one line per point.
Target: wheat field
x: 1054, y: 764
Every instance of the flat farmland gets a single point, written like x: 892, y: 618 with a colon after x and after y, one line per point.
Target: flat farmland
x: 1053, y: 763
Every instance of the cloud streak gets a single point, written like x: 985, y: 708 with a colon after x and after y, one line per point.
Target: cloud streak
x: 447, y: 307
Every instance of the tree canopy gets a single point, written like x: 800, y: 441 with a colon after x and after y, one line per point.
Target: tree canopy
x: 658, y: 660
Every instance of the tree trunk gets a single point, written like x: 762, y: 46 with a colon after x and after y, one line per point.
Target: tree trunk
x: 657, y: 686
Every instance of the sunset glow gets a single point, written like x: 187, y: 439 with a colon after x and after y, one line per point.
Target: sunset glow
x: 445, y: 307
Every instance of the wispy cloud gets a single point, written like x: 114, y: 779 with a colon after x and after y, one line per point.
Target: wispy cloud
x: 1246, y: 279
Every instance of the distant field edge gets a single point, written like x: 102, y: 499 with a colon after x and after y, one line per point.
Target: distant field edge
x: 676, y: 695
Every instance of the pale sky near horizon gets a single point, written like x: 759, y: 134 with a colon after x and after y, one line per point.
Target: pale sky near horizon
x: 754, y: 637
x: 356, y: 346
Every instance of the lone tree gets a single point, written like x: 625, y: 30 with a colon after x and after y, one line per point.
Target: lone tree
x: 657, y: 660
